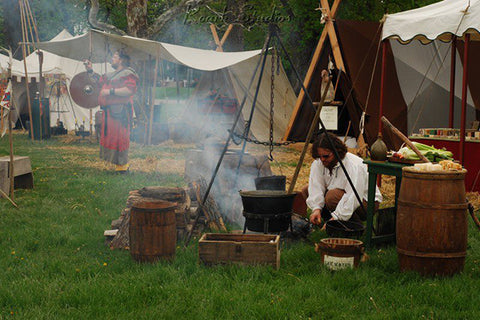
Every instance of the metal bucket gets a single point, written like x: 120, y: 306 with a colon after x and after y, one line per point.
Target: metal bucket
x: 339, y: 253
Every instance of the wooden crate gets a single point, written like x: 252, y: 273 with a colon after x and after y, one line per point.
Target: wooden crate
x: 224, y: 248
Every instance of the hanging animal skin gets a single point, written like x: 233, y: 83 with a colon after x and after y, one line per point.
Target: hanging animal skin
x: 84, y: 90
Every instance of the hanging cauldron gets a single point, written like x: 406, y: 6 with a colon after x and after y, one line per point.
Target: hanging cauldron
x: 267, y: 210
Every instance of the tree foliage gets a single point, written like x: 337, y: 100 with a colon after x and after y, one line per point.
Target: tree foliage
x: 187, y: 21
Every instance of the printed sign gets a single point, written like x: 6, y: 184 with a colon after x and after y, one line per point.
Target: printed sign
x: 329, y: 117
x: 338, y: 263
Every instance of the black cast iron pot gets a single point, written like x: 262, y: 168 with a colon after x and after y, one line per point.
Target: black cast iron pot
x: 267, y: 201
x: 267, y: 210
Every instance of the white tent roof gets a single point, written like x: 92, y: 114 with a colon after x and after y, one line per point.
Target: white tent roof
x: 440, y: 21
x: 62, y: 108
x: 96, y: 45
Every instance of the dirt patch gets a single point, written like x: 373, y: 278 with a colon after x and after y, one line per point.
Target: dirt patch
x: 168, y: 157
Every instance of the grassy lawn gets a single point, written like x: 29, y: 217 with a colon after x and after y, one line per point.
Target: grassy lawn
x: 54, y: 264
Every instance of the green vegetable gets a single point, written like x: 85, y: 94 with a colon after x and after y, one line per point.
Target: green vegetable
x: 430, y: 152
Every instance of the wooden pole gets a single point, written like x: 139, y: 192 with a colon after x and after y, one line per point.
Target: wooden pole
x: 314, y: 64
x: 453, y: 59
x: 404, y: 139
x: 382, y: 85
x: 29, y: 104
x: 313, y: 126
x: 464, y: 97
x: 10, y: 135
x: 152, y: 102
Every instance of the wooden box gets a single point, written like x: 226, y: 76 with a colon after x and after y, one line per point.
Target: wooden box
x: 223, y: 248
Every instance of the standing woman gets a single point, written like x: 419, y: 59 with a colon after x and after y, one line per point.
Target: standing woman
x: 116, y: 101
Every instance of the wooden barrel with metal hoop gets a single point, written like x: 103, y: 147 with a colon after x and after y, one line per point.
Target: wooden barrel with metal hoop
x: 432, y: 222
x: 153, y: 234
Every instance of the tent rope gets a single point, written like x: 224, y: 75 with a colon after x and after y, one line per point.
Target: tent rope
x: 422, y: 107
x: 364, y: 110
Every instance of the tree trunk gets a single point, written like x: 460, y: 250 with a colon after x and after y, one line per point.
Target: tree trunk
x: 92, y: 18
x: 137, y: 17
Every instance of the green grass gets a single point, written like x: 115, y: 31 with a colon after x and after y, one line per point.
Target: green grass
x: 54, y: 264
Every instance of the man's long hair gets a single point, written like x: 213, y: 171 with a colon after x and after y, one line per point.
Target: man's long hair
x: 124, y: 57
x: 322, y: 142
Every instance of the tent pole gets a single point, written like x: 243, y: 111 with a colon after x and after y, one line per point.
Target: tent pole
x: 10, y: 135
x: 464, y: 97
x: 453, y: 58
x: 29, y: 103
x: 382, y: 85
x: 152, y: 102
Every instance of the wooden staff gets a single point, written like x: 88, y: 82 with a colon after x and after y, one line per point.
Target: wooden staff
x: 8, y: 198
x: 404, y: 139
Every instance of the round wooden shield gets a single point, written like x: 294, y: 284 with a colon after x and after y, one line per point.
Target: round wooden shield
x: 84, y: 90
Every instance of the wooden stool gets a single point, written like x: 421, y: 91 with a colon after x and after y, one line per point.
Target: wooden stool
x: 22, y: 168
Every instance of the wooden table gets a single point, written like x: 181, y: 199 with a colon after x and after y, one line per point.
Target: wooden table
x: 383, y: 168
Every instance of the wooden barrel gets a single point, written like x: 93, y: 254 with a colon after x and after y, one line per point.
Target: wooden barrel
x: 432, y: 222
x: 152, y: 230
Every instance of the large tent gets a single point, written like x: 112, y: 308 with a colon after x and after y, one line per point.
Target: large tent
x: 98, y: 46
x: 417, y: 81
x: 60, y: 71
x: 434, y: 28
x: 358, y: 88
x: 457, y: 22
x: 56, y: 69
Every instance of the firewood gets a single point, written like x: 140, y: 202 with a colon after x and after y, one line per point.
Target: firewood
x: 163, y: 193
x: 122, y: 238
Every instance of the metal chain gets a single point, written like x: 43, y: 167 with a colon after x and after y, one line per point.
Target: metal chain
x: 272, y: 88
x: 266, y: 143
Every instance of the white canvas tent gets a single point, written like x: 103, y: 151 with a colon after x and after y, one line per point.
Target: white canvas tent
x: 62, y: 107
x: 423, y: 72
x: 438, y: 21
x: 457, y: 21
x: 97, y: 45
x: 423, y: 66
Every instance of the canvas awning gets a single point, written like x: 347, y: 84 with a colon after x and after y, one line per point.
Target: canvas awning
x: 440, y: 21
x: 96, y: 45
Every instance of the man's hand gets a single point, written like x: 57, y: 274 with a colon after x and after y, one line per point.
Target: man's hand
x: 88, y: 64
x: 316, y: 217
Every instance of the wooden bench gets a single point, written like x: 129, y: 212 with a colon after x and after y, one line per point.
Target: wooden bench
x: 22, y: 168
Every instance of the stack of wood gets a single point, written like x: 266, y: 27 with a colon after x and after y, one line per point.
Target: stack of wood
x: 209, y: 209
x: 191, y: 216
